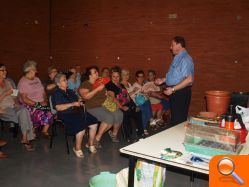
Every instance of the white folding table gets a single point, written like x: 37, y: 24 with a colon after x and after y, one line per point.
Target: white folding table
x: 149, y: 149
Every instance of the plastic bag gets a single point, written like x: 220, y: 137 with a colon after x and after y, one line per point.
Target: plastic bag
x: 149, y: 175
x: 146, y: 175
x: 140, y: 99
x: 244, y: 113
x: 122, y: 178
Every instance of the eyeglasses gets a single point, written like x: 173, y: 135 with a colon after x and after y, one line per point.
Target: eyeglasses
x: 3, y: 70
x: 55, y: 71
x: 140, y: 76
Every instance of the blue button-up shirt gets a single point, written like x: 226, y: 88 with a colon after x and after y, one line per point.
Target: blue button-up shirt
x: 181, y: 67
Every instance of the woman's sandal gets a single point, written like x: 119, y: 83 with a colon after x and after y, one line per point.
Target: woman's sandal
x: 28, y: 146
x: 97, y: 144
x: 45, y: 135
x: 78, y: 153
x: 113, y: 137
x: 91, y: 148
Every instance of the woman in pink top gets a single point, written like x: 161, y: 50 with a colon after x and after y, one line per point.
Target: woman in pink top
x: 33, y: 97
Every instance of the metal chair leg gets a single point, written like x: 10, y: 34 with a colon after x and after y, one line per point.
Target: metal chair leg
x: 67, y: 144
x: 51, y: 141
x: 123, y: 132
x: 52, y: 134
x: 51, y: 138
x: 2, y: 125
x: 15, y: 130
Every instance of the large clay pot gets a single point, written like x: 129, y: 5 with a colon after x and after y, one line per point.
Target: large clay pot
x: 218, y: 101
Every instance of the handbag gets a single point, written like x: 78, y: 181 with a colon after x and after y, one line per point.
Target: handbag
x: 109, y: 104
x: 41, y: 107
x: 140, y: 99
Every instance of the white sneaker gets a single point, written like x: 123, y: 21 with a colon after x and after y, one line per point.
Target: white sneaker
x: 146, y: 133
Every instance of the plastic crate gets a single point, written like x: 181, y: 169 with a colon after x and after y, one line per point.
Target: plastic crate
x: 211, y: 140
x: 209, y: 151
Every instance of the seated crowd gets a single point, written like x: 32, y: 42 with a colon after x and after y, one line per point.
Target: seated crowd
x: 90, y: 101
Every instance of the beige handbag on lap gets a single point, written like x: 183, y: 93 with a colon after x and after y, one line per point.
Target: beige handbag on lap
x: 110, y: 105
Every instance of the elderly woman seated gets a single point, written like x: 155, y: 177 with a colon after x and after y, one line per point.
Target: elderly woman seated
x: 50, y: 86
x: 94, y: 93
x: 34, y: 98
x: 142, y: 102
x: 73, y: 80
x: 10, y: 110
x: 127, y: 106
x: 71, y: 111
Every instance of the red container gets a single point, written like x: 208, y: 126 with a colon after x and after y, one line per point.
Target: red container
x: 243, y: 134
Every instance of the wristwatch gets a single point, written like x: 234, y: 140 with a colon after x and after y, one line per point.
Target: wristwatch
x: 173, y: 90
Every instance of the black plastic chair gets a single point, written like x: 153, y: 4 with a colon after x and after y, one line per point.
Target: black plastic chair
x: 54, y: 133
x: 14, y: 129
x: 54, y: 127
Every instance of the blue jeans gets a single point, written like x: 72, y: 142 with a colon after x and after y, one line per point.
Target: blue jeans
x: 166, y: 105
x: 146, y: 113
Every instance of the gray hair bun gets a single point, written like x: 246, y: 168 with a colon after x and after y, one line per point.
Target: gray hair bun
x: 29, y: 65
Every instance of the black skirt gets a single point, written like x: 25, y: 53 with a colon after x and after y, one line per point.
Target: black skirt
x: 77, y: 121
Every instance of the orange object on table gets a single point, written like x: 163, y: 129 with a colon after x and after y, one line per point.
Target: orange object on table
x: 229, y: 125
x: 229, y: 122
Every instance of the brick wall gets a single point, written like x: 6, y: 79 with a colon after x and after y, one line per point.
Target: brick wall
x: 133, y: 34
x: 24, y: 34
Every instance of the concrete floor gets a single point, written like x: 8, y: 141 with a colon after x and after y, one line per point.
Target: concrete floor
x: 54, y: 167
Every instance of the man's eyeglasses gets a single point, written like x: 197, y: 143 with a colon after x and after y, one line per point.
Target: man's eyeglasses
x: 3, y: 70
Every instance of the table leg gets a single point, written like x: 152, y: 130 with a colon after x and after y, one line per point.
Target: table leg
x: 132, y: 163
x: 192, y: 177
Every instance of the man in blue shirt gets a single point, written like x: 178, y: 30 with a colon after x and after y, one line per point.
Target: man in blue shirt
x: 179, y: 80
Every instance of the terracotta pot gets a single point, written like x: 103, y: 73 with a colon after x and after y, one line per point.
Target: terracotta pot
x: 218, y: 101
x: 218, y: 93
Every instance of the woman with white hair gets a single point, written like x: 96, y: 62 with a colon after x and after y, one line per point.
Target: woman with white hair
x: 71, y: 111
x: 33, y: 97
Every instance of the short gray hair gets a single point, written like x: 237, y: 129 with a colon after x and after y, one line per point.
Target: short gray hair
x: 30, y: 64
x: 51, y: 68
x: 125, y: 71
x: 57, y: 77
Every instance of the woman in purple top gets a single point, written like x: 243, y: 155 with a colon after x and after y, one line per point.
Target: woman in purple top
x: 33, y: 97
